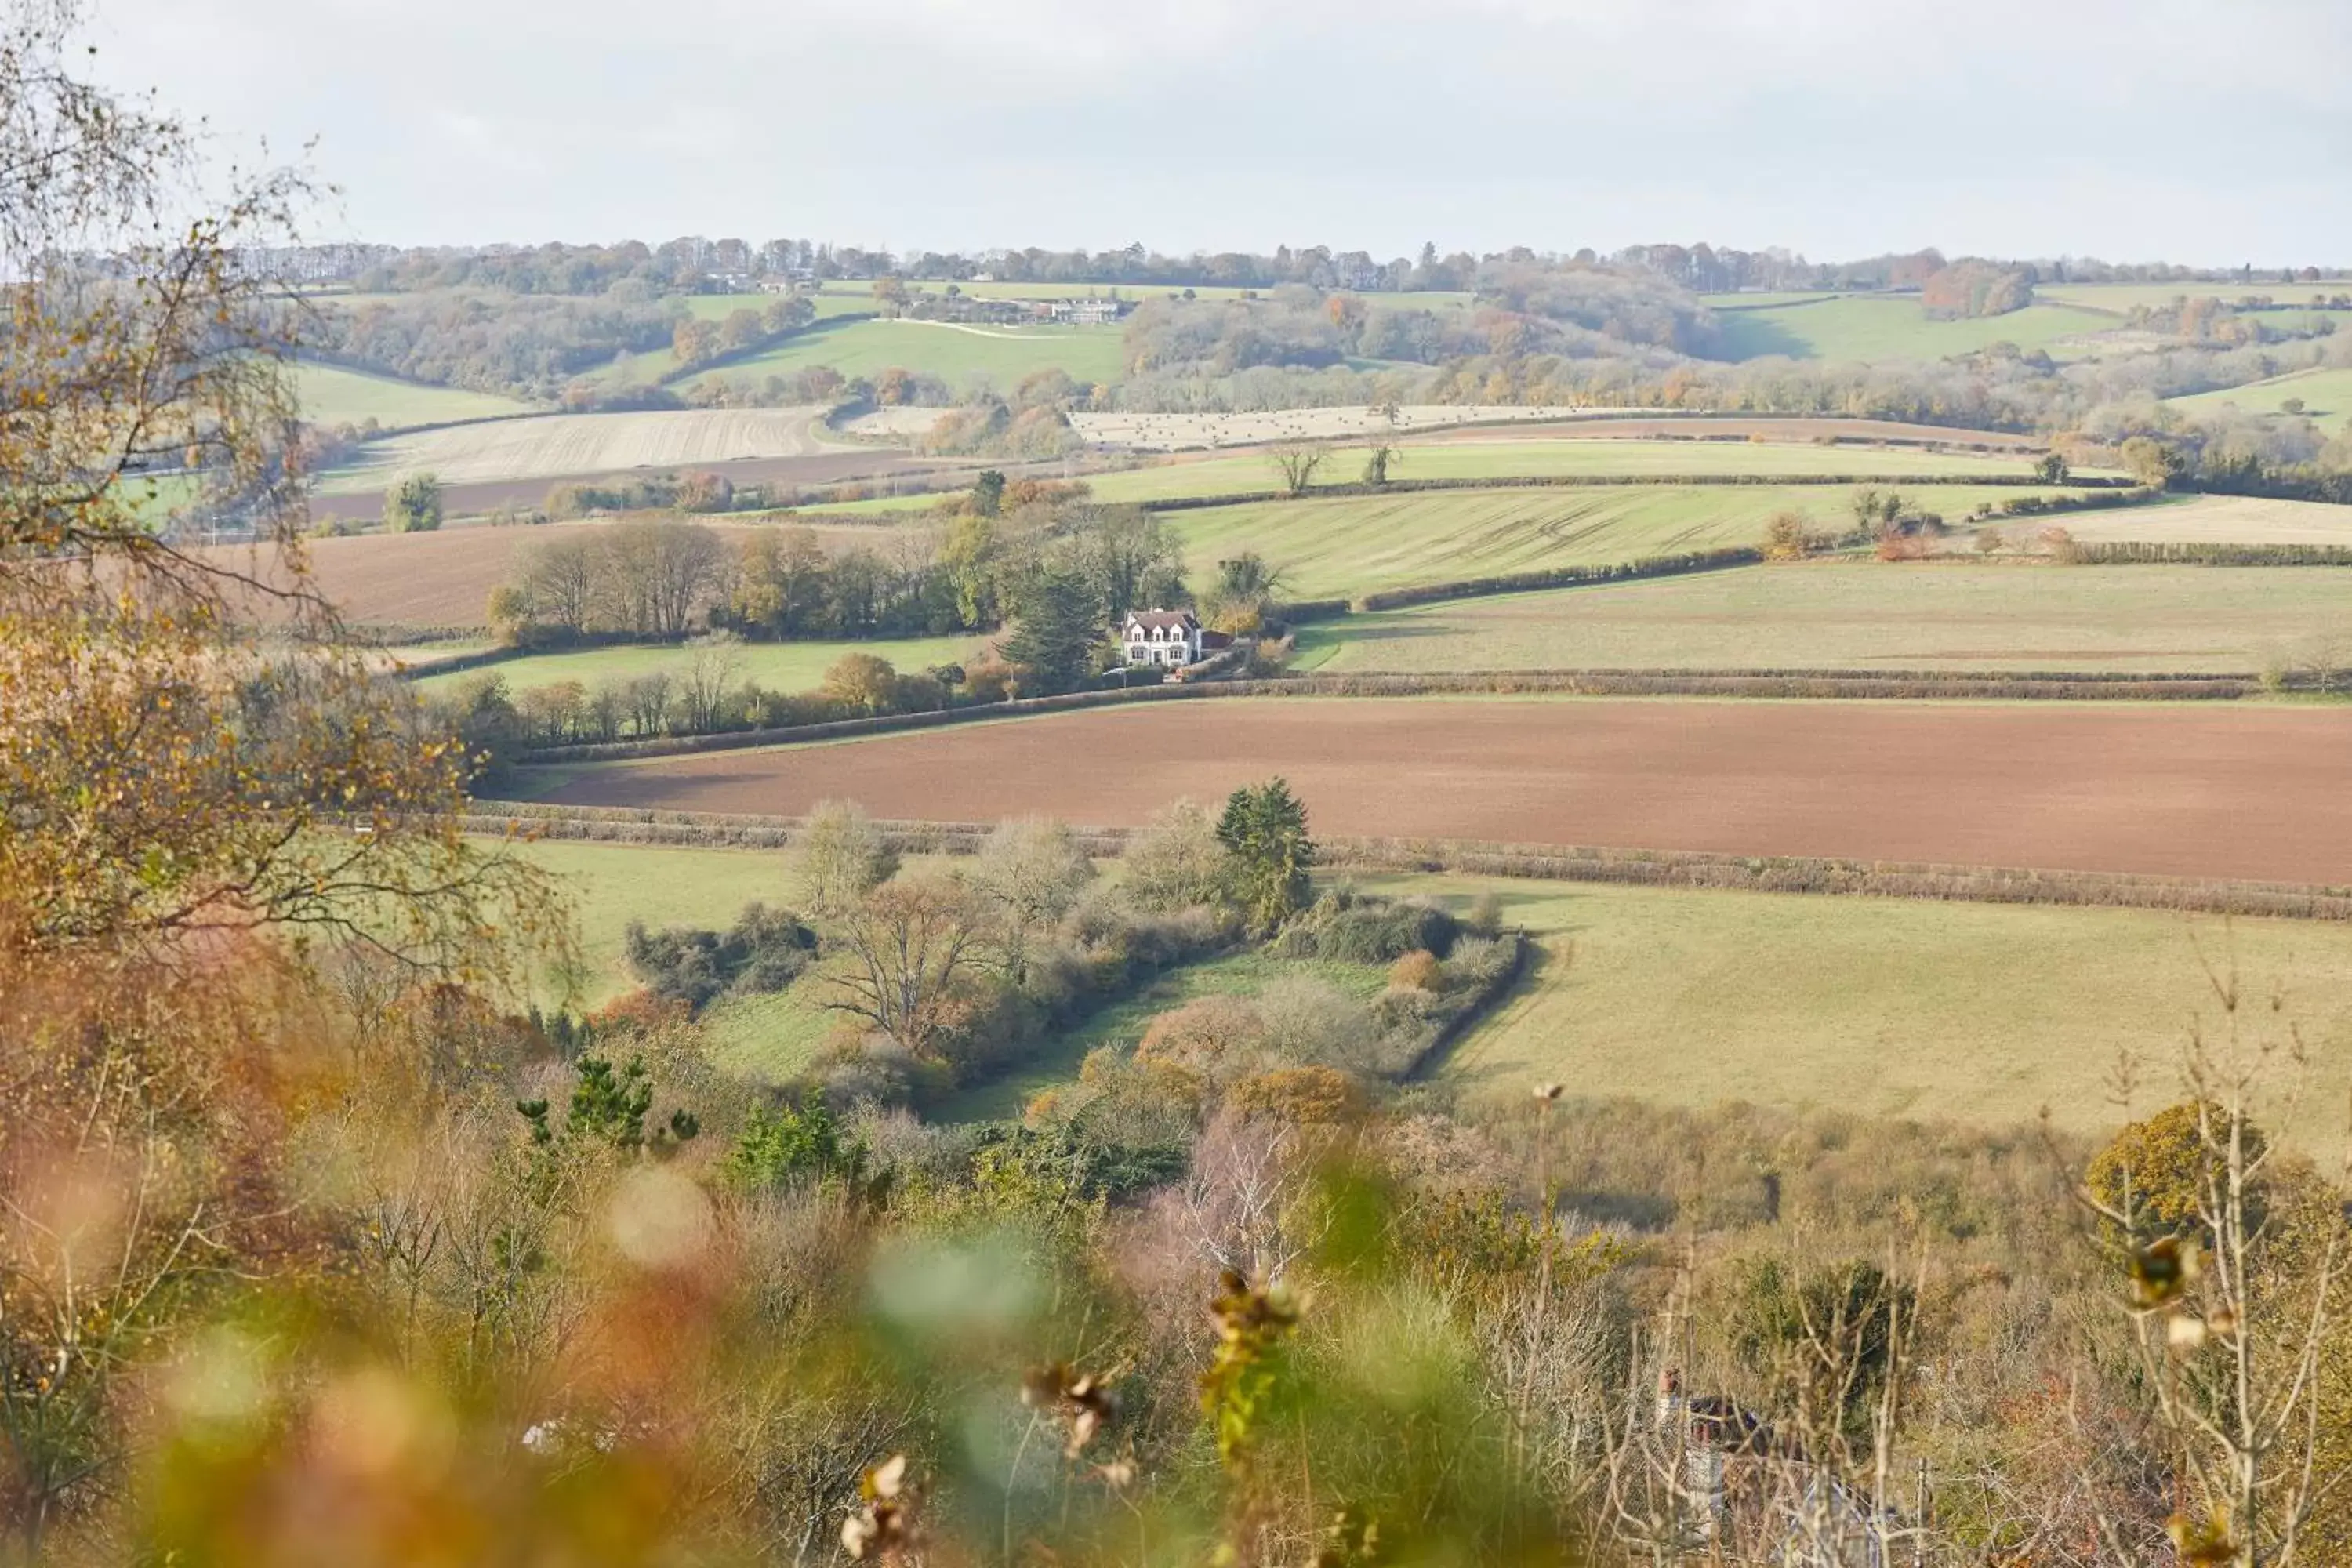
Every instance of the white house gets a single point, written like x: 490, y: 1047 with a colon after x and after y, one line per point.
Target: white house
x: 1170, y: 637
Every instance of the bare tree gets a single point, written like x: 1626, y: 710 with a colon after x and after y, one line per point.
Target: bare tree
x: 842, y: 857
x: 1026, y: 876
x: 907, y: 947
x: 711, y: 670
x: 1298, y: 462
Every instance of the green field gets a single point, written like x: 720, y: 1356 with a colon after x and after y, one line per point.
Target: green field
x: 1860, y: 329
x: 778, y: 666
x: 956, y: 354
x: 2326, y: 395
x: 1968, y: 1012
x: 1864, y: 616
x: 1353, y: 545
x: 609, y: 885
x: 1882, y: 1007
x: 330, y: 394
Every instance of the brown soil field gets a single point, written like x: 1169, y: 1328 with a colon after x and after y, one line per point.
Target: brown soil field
x: 445, y: 578
x: 2236, y: 793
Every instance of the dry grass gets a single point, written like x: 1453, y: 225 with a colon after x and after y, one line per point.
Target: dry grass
x: 2214, y: 520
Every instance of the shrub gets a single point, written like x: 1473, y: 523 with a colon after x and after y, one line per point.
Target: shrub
x: 1211, y: 1036
x: 2154, y: 1172
x: 1311, y: 1095
x: 1350, y: 928
x: 1419, y: 970
x: 765, y: 951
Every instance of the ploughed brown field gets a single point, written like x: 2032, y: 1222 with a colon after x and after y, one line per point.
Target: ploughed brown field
x: 445, y: 578
x: 2244, y: 794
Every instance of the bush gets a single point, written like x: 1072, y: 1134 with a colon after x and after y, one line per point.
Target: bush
x: 1419, y: 970
x: 2154, y: 1172
x: 765, y: 951
x: 1311, y: 1095
x: 1209, y: 1036
x: 1350, y: 928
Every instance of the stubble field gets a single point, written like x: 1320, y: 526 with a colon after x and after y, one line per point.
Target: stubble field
x: 559, y: 446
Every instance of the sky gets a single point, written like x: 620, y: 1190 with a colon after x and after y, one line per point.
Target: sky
x: 2208, y: 132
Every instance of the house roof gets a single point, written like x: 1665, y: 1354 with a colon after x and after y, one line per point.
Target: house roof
x: 1160, y: 620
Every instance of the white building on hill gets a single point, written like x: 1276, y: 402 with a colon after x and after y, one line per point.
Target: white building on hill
x: 1170, y: 637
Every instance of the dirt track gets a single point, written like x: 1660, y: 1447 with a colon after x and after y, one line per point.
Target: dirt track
x: 2247, y: 794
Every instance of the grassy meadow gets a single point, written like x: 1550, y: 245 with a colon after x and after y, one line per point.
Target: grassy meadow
x: 1864, y: 616
x: 330, y: 394
x: 778, y: 667
x: 1972, y: 1012
x: 1977, y: 1013
x: 956, y: 354
x: 2325, y: 394
x: 1356, y: 544
x: 1859, y: 328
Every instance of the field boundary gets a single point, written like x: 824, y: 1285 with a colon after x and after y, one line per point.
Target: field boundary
x: 1799, y: 684
x: 1694, y: 870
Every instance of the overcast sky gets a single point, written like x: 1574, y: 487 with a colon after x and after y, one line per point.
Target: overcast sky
x: 2214, y: 131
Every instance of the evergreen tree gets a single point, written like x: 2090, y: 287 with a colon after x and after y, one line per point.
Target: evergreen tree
x: 1056, y: 637
x: 1264, y: 830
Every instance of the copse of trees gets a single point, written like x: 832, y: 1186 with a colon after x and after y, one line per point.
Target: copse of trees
x: 1972, y: 288
x: 412, y: 504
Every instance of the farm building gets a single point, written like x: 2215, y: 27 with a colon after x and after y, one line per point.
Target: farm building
x: 1090, y: 312
x: 1173, y: 638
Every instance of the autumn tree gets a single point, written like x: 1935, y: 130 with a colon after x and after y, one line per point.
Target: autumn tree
x: 192, y: 817
x: 1176, y: 861
x: 779, y: 579
x: 861, y: 680
x: 695, y: 341
x: 1789, y: 537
